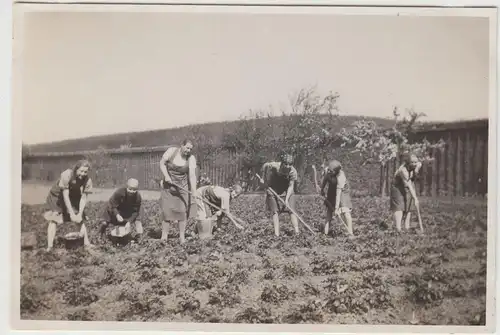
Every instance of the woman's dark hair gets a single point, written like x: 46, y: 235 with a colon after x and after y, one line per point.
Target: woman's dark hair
x: 79, y: 164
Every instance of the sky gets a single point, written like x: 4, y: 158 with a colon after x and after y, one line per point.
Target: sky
x: 96, y: 73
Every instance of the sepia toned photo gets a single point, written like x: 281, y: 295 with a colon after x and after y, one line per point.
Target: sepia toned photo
x: 262, y: 167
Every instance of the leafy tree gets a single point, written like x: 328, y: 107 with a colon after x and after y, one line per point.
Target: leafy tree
x: 310, y: 129
x: 377, y: 145
x: 250, y: 142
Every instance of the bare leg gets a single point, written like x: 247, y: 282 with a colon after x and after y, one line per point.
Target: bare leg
x: 165, y: 227
x: 398, y: 216
x: 182, y: 231
x: 276, y: 223
x: 83, y: 232
x: 138, y: 227
x: 407, y: 221
x: 102, y: 228
x: 295, y: 223
x: 51, y: 234
x: 328, y: 220
x: 348, y: 220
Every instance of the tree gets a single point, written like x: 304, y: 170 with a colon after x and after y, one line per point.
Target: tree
x: 310, y: 126
x: 306, y: 127
x: 379, y: 146
x: 249, y: 142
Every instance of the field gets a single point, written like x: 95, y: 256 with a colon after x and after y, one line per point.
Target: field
x: 254, y: 277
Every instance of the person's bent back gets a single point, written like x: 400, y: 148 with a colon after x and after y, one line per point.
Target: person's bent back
x: 123, y: 208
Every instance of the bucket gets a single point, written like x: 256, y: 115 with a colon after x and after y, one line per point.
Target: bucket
x: 204, y: 228
x: 73, y: 241
x: 120, y: 234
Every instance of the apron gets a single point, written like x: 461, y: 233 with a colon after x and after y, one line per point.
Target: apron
x: 55, y: 200
x: 400, y: 194
x: 176, y: 204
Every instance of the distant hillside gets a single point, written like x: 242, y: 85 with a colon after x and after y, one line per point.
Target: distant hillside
x: 214, y: 131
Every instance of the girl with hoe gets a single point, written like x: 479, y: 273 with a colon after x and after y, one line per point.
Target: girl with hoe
x: 403, y: 191
x: 281, y: 177
x: 338, y: 198
x: 218, y: 196
x: 178, y: 167
x: 67, y: 199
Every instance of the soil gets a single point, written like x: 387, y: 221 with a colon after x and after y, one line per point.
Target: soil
x: 380, y: 277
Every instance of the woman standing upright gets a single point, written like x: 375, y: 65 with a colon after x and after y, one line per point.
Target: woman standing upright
x: 178, y: 166
x: 403, y: 190
x: 67, y: 199
x: 338, y: 198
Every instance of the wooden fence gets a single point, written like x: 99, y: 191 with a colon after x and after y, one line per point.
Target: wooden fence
x: 112, y: 168
x: 460, y: 169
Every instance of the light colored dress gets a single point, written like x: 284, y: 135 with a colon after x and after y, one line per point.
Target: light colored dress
x: 176, y: 204
x: 216, y: 195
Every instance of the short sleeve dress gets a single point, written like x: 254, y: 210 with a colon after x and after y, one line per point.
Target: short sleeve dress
x: 279, y: 183
x: 331, y: 195
x: 176, y: 204
x: 57, y: 210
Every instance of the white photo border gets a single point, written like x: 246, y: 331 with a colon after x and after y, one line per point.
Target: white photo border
x: 20, y: 9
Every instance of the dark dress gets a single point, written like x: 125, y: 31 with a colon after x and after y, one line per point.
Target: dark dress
x: 279, y: 183
x: 400, y: 196
x: 176, y: 204
x: 77, y: 187
x: 126, y: 204
x: 331, y: 195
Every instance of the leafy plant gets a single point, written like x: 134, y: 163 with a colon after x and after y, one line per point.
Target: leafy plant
x: 378, y: 145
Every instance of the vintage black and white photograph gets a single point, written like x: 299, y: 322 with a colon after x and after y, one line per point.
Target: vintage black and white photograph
x: 231, y: 166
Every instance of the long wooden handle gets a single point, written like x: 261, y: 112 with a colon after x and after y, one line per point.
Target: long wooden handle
x: 419, y: 219
x: 283, y: 201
